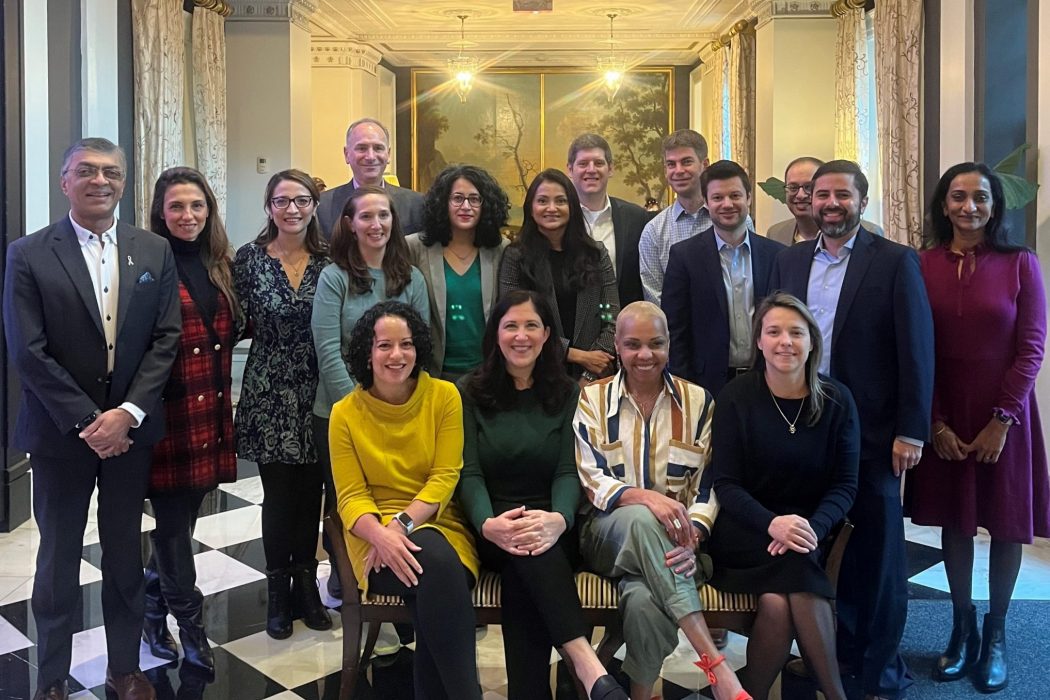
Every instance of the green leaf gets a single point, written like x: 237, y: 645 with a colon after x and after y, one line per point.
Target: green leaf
x: 1012, y: 160
x: 1017, y: 190
x: 774, y: 187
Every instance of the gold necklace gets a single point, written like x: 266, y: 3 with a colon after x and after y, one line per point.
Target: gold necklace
x: 462, y: 258
x: 295, y: 270
x: 646, y: 405
x: 790, y: 423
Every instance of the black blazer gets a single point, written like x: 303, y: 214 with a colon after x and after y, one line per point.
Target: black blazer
x: 56, y: 342
x: 628, y: 220
x: 694, y: 299
x: 882, y: 341
x: 407, y: 203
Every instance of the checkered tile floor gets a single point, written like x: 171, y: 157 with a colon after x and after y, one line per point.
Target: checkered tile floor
x: 250, y: 665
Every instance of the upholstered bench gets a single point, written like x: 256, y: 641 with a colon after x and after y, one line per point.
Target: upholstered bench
x: 598, y: 595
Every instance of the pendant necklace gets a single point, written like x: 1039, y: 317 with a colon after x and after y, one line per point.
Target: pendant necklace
x: 790, y: 423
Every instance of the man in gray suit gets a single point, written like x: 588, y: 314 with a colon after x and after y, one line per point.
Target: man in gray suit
x: 92, y: 318
x: 798, y: 185
x: 367, y: 152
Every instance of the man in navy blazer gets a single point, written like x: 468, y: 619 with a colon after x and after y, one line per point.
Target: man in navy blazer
x: 92, y: 319
x: 869, y: 299
x: 713, y: 283
x: 615, y: 222
x: 367, y: 152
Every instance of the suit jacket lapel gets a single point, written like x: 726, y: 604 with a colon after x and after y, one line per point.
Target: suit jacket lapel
x: 128, y: 272
x: 436, y: 262
x: 859, y: 261
x: 712, y: 262
x: 797, y: 276
x: 67, y: 249
x: 761, y: 267
x: 488, y: 279
x: 619, y: 232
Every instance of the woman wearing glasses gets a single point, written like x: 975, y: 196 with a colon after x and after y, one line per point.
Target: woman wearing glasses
x: 459, y: 253
x: 275, y: 277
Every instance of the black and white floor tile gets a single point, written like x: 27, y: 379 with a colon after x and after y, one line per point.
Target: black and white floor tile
x: 252, y: 666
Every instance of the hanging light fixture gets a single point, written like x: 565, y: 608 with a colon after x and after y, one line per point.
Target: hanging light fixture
x: 463, y: 68
x: 611, y: 66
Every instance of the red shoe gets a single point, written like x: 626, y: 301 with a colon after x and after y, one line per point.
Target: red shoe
x: 707, y: 664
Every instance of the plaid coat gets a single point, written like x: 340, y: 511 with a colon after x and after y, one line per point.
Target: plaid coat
x: 197, y: 452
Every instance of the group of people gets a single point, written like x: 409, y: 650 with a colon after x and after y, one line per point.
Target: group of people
x: 667, y: 400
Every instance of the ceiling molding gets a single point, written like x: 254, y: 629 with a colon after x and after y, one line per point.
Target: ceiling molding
x: 767, y: 10
x: 344, y: 54
x: 297, y: 12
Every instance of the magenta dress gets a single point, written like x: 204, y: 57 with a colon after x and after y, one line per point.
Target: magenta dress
x: 989, y: 320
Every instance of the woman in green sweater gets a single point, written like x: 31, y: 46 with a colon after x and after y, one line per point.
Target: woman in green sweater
x: 520, y: 490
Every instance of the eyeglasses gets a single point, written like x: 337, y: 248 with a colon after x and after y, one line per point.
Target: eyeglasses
x: 283, y: 202
x: 794, y: 189
x: 457, y: 200
x: 90, y: 172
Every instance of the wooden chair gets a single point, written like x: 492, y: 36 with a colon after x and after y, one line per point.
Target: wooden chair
x: 599, y: 596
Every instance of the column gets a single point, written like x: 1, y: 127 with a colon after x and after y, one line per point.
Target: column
x: 269, y: 88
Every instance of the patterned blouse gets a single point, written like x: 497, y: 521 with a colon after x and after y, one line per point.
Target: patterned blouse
x: 273, y: 421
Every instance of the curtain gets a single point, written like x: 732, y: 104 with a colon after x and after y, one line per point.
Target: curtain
x: 716, y: 105
x: 852, y: 111
x: 159, y: 73
x: 209, y: 99
x: 742, y: 98
x: 898, y: 69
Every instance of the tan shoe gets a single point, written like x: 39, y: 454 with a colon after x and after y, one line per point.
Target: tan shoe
x: 130, y: 686
x: 59, y: 690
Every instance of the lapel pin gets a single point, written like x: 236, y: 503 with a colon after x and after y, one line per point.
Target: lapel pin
x: 130, y: 261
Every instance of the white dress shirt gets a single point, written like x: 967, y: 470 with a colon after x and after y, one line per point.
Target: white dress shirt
x: 600, y: 226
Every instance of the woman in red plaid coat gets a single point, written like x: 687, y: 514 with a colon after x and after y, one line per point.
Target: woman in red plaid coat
x: 197, y: 453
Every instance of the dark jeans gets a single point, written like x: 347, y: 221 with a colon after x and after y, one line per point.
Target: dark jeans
x: 445, y: 666
x: 290, y: 513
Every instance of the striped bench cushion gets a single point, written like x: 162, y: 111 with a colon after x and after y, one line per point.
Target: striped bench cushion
x: 596, y: 592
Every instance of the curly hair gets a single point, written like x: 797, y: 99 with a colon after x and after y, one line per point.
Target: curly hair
x: 495, y: 207
x: 492, y: 387
x: 346, y: 251
x: 583, y: 253
x: 359, y: 354
x: 996, y: 233
x: 215, y: 246
x: 314, y: 243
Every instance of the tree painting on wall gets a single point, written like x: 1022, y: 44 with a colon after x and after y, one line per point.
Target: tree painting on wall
x: 517, y: 122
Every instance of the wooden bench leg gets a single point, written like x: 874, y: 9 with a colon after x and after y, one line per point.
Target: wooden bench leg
x: 370, y: 641
x: 351, y: 615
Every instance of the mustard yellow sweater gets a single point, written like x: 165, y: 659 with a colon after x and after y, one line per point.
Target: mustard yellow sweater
x: 386, y: 456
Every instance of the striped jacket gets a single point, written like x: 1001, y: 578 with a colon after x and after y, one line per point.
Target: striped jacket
x: 616, y: 450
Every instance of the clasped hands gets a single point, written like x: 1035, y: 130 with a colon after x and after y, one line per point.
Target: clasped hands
x: 392, y: 549
x: 108, y: 434
x: 675, y: 519
x: 524, y: 532
x: 791, y: 533
x: 988, y: 444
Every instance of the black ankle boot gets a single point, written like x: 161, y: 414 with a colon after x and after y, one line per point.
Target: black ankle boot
x: 306, y: 600
x: 990, y: 676
x: 195, y: 646
x: 963, y: 647
x: 279, y: 604
x: 155, y: 630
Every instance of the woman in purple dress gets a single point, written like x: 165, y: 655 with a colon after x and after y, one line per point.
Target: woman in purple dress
x: 988, y: 465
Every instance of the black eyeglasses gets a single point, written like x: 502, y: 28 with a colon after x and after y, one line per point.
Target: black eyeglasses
x: 457, y: 200
x: 283, y: 202
x: 794, y: 189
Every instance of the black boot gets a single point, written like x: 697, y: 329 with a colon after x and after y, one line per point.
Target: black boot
x: 306, y: 601
x: 178, y: 579
x: 279, y: 603
x: 963, y: 647
x: 990, y: 675
x: 155, y: 621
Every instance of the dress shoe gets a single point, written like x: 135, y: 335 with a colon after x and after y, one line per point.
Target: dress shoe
x: 990, y: 675
x: 606, y: 688
x: 964, y: 646
x: 59, y: 690
x: 279, y: 604
x: 130, y: 686
x: 306, y: 600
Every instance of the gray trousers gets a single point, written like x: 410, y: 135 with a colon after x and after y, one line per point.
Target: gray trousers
x: 630, y: 543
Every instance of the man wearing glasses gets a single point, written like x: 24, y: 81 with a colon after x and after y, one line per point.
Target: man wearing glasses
x: 798, y: 186
x: 92, y: 318
x: 367, y: 152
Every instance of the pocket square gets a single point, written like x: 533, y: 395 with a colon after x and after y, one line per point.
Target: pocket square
x: 145, y: 277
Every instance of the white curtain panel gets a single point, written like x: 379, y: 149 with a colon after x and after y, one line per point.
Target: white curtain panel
x: 717, y: 126
x: 851, y: 86
x: 742, y: 99
x: 159, y: 68
x: 209, y: 99
x: 898, y: 69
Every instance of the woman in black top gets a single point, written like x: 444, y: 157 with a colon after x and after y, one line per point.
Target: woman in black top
x: 785, y: 454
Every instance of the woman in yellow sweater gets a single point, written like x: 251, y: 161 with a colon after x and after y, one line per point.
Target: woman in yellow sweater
x: 397, y: 450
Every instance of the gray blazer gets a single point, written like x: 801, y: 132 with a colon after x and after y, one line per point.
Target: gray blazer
x: 431, y: 262
x: 407, y: 203
x: 784, y: 232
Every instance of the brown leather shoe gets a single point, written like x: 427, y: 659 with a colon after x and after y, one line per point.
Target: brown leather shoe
x: 59, y: 690
x: 130, y: 686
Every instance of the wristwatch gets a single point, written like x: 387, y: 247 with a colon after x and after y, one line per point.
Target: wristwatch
x: 406, y: 521
x: 1003, y: 417
x: 87, y: 420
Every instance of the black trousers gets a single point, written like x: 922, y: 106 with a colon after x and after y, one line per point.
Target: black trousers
x: 445, y: 665
x: 61, y: 494
x: 291, y: 512
x: 175, y: 513
x: 872, y: 595
x: 541, y: 609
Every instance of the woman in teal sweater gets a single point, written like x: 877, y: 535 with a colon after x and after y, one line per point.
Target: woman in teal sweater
x: 520, y: 489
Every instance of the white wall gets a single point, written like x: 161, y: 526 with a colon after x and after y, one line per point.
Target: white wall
x: 35, y: 125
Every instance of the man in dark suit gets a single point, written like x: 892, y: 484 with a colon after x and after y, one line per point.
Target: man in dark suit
x: 868, y: 297
x: 713, y: 282
x: 91, y: 314
x: 615, y: 222
x: 367, y: 152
